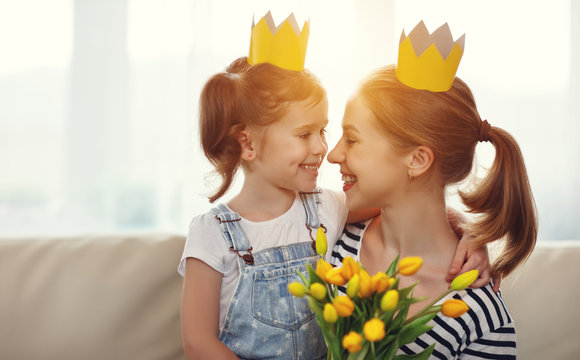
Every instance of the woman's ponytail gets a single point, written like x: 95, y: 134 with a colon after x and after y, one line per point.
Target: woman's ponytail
x: 505, y: 202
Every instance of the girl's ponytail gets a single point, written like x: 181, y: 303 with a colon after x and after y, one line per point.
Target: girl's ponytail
x: 219, y: 123
x: 505, y: 202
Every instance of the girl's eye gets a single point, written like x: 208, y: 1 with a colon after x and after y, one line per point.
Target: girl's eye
x: 323, y: 131
x: 349, y: 141
x: 304, y: 135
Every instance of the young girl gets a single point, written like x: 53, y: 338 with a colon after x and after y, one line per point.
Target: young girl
x: 401, y: 147
x: 240, y: 257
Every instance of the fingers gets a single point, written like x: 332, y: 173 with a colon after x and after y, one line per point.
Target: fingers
x: 482, y: 280
x: 458, y: 261
x: 496, y: 282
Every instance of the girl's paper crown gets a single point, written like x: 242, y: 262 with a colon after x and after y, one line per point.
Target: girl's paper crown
x: 283, y: 46
x: 437, y: 61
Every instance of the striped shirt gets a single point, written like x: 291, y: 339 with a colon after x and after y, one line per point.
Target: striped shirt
x: 486, y: 331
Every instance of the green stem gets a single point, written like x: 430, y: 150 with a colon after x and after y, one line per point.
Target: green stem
x: 329, y: 291
x: 427, y: 308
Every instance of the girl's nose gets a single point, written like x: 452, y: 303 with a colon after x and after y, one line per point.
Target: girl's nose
x: 320, y: 146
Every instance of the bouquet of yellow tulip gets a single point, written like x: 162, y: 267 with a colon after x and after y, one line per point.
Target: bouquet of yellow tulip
x: 370, y: 321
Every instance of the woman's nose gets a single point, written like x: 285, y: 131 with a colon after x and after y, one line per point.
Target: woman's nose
x: 335, y: 156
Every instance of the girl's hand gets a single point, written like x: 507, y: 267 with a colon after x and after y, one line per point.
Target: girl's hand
x: 468, y: 257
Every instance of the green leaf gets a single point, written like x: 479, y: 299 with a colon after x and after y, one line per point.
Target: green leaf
x: 361, y: 354
x: 312, y: 274
x: 303, y: 278
x: 408, y: 291
x: 423, y: 355
x: 393, y: 267
x: 423, y: 319
x: 410, y: 333
x: 390, y: 351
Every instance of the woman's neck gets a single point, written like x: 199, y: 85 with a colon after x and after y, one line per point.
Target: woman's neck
x: 417, y: 226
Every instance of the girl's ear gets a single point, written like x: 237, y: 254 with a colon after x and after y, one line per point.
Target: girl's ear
x: 245, y: 140
x: 422, y: 158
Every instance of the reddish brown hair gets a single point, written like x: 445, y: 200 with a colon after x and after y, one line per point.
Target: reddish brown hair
x: 244, y: 96
x: 449, y: 123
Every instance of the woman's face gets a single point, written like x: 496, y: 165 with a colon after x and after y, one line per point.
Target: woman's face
x: 374, y: 174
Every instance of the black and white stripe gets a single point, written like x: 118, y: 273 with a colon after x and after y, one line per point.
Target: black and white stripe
x: 486, y: 331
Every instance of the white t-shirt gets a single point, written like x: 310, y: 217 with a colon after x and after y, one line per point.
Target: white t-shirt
x: 206, y: 243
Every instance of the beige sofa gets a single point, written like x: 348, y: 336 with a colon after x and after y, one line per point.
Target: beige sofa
x: 118, y: 297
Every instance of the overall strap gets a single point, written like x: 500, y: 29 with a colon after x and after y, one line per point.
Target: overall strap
x: 233, y: 233
x: 310, y: 201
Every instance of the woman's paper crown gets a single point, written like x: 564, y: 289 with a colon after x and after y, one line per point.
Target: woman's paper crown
x: 437, y: 61
x: 283, y: 46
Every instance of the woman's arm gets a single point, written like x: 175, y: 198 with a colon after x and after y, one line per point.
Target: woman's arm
x: 200, y: 309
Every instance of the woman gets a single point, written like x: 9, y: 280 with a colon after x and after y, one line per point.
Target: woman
x: 401, y: 147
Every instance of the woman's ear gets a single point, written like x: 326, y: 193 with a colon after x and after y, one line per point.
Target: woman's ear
x: 422, y: 158
x: 247, y: 148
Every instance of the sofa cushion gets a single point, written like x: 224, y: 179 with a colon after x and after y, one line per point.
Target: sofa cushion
x: 542, y: 297
x: 91, y: 297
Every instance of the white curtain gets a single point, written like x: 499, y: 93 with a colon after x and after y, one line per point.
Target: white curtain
x: 98, y: 99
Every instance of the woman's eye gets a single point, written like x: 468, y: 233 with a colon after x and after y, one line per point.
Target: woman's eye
x: 304, y: 135
x: 323, y: 131
x: 349, y: 141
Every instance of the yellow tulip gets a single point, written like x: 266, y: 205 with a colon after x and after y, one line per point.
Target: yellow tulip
x: 464, y: 280
x: 410, y: 265
x: 390, y: 300
x: 322, y: 268
x: 392, y: 282
x: 365, y: 288
x: 329, y: 313
x: 343, y: 305
x: 321, y: 242
x: 334, y: 276
x: 352, y: 342
x: 352, y: 286
x: 297, y: 289
x: 349, y: 267
x: 380, y: 282
x: 318, y: 291
x: 374, y: 330
x: 454, y: 308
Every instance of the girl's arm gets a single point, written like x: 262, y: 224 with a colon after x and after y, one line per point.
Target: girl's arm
x: 200, y: 309
x: 355, y: 216
x: 467, y: 257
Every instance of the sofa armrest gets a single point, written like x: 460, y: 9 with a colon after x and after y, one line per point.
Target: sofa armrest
x: 542, y: 297
x: 91, y: 297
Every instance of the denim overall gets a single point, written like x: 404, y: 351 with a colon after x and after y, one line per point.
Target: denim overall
x: 264, y: 321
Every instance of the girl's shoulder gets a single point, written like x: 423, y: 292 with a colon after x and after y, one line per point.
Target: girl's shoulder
x: 204, y: 221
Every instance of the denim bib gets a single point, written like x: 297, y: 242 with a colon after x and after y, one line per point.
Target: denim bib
x: 264, y: 321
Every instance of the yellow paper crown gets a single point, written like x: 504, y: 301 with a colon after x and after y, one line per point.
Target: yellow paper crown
x: 283, y: 46
x: 437, y: 61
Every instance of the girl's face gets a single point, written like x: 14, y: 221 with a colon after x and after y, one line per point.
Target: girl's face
x: 374, y: 174
x: 291, y: 150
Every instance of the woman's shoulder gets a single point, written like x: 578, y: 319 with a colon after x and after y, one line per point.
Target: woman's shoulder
x: 348, y: 243
x: 488, y: 312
